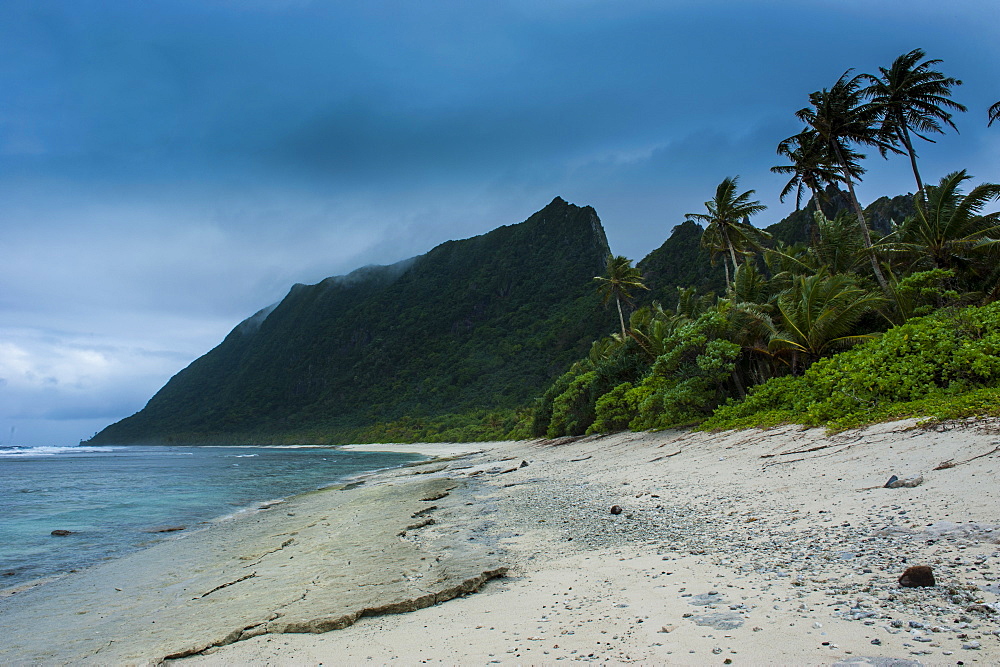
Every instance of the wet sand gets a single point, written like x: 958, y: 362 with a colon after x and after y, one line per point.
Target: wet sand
x: 314, y: 563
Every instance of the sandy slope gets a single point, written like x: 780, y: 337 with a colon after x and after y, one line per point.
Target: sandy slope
x: 775, y: 546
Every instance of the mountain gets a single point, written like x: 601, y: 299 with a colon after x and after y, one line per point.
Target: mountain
x: 680, y: 262
x: 880, y: 215
x: 480, y: 324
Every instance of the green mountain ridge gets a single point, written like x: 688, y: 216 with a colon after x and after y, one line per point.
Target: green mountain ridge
x: 479, y: 324
x: 433, y: 343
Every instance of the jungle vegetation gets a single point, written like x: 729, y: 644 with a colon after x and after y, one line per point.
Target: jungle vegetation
x: 824, y: 318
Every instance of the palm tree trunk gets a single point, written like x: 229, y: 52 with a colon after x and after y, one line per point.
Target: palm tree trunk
x: 816, y: 204
x: 621, y: 317
x: 866, y: 235
x: 904, y: 136
x: 811, y: 230
x: 732, y: 254
x: 740, y: 391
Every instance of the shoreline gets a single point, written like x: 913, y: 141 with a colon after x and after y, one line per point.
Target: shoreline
x: 750, y: 546
x: 174, y: 527
x: 283, y: 568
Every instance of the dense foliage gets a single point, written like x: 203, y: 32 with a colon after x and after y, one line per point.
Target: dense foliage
x: 836, y: 315
x: 911, y: 368
x: 813, y: 320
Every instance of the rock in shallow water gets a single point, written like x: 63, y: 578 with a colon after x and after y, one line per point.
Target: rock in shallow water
x: 164, y: 529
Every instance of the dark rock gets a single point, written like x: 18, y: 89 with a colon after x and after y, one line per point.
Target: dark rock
x: 917, y: 576
x: 524, y: 464
x: 892, y: 480
x: 61, y: 533
x: 164, y: 529
x: 616, y: 509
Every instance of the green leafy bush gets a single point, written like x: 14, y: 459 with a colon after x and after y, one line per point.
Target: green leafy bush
x: 614, y: 410
x: 926, y: 362
x: 689, y: 379
x: 572, y: 410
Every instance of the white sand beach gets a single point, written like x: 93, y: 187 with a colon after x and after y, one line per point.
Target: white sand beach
x: 749, y: 547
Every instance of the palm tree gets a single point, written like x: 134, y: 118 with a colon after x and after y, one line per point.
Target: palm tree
x: 620, y: 280
x: 837, y: 248
x: 840, y: 116
x: 949, y: 230
x: 912, y: 97
x: 812, y: 167
x: 994, y: 113
x: 817, y: 314
x: 728, y: 227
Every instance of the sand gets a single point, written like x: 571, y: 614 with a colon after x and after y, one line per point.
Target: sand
x: 749, y: 547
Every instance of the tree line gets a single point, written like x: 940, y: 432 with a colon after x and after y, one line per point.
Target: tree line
x: 787, y: 307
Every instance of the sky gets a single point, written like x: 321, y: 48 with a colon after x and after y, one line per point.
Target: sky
x: 169, y: 168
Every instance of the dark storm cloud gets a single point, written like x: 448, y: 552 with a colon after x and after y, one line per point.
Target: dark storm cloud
x: 169, y: 168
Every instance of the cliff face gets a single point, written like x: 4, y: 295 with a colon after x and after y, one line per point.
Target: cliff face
x: 482, y: 323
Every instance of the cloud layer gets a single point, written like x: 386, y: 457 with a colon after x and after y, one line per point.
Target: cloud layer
x: 167, y: 169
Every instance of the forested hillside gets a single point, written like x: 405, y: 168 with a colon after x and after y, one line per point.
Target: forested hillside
x: 468, y: 332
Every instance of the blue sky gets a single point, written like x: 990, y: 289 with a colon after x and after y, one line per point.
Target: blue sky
x: 168, y: 168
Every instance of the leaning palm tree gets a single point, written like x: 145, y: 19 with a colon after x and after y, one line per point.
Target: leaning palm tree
x: 728, y: 227
x: 620, y: 280
x: 910, y: 96
x: 994, y: 113
x: 840, y: 116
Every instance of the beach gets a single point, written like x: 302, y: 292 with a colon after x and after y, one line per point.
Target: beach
x: 746, y: 547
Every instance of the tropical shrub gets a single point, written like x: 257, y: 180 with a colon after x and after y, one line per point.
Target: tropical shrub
x: 686, y: 382
x: 615, y: 409
x: 943, y: 354
x: 572, y: 410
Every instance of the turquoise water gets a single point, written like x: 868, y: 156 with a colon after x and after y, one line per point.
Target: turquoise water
x: 111, y: 497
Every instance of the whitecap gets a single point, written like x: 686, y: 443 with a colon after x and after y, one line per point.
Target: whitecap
x: 14, y: 452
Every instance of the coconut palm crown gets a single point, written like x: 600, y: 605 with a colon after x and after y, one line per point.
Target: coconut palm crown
x: 728, y: 222
x: 812, y: 167
x: 950, y: 230
x: 840, y: 116
x: 619, y: 282
x: 911, y: 96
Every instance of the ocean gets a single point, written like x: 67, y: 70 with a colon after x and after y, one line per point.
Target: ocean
x: 113, y: 499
